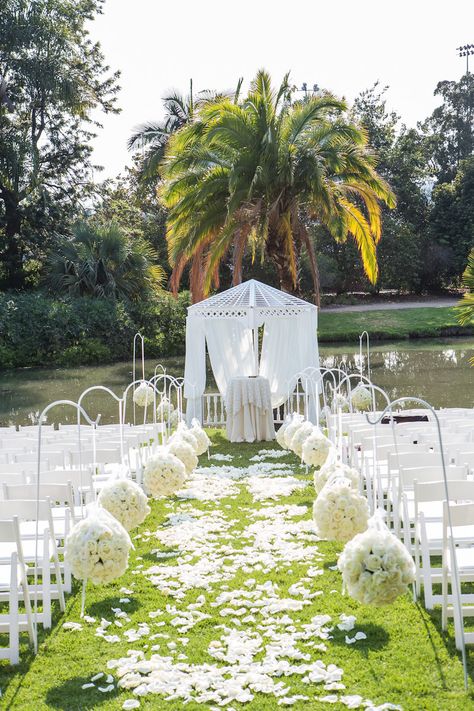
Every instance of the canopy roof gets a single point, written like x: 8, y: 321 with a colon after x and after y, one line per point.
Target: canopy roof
x: 250, y: 296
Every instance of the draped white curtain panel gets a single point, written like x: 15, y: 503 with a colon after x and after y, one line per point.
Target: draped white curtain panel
x: 289, y: 346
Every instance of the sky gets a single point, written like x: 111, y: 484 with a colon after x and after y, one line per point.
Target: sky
x: 344, y: 46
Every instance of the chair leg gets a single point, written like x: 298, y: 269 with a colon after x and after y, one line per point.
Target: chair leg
x: 444, y: 615
x: 14, y: 621
x: 46, y: 583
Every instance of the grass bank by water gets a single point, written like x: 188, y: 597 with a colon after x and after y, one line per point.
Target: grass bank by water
x: 427, y: 322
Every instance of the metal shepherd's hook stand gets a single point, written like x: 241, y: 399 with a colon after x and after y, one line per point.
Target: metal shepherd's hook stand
x: 457, y: 582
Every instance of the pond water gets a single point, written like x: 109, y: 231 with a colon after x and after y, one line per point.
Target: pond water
x: 437, y: 370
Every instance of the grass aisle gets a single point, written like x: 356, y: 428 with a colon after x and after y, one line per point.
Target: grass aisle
x: 255, y: 551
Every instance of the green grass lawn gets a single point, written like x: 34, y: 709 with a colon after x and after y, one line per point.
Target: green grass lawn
x: 406, y: 659
x: 429, y: 322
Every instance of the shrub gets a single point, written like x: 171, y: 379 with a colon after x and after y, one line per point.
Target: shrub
x: 37, y: 329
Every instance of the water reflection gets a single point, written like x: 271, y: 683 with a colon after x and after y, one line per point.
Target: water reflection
x: 438, y: 371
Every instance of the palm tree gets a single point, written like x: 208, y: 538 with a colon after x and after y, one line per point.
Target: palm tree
x: 465, y: 307
x: 153, y: 135
x: 102, y: 261
x: 256, y: 174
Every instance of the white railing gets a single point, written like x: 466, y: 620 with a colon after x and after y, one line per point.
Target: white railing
x: 214, y: 414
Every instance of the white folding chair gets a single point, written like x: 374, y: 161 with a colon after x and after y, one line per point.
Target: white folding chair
x: 428, y: 534
x: 13, y: 590
x: 462, y: 517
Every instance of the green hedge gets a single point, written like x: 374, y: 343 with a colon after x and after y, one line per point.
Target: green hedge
x: 37, y: 329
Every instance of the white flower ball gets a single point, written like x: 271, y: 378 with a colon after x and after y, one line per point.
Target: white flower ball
x: 184, y: 433
x: 175, y: 418
x: 164, y: 474
x: 165, y: 409
x: 335, y: 470
x: 361, y: 398
x: 300, y: 437
x: 184, y: 452
x: 280, y: 435
x: 316, y: 448
x: 376, y: 567
x: 203, y: 441
x: 126, y: 501
x: 339, y: 512
x: 97, y: 548
x: 296, y: 421
x: 144, y: 395
x: 341, y: 403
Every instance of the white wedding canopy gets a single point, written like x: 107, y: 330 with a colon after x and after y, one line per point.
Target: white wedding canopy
x: 228, y: 323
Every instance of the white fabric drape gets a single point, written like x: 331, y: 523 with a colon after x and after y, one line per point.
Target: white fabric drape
x: 230, y: 348
x: 194, y: 368
x: 290, y: 345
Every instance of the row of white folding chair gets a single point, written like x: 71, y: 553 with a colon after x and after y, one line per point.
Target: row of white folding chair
x: 14, y: 589
x: 462, y: 518
x: 428, y: 529
x: 40, y: 555
x: 402, y: 494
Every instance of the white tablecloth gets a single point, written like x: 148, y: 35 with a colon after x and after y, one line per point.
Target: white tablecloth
x: 249, y: 410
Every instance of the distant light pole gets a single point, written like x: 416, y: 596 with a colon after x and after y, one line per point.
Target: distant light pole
x: 306, y: 91
x: 467, y: 51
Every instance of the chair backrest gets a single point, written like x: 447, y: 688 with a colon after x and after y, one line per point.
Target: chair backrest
x: 463, y: 457
x: 434, y: 473
x: 57, y: 493
x: 25, y: 510
x: 63, y: 476
x: 461, y: 515
x: 413, y: 459
x: 458, y: 489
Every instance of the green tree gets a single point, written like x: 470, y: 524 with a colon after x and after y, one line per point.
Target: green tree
x: 153, y: 136
x: 466, y: 305
x: 450, y: 128
x: 452, y: 220
x: 101, y: 260
x: 56, y: 77
x: 257, y: 173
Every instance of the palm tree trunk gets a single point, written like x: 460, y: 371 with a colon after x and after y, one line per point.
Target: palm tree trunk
x: 305, y: 239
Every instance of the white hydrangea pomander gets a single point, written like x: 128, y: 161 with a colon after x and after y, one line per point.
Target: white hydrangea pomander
x: 340, y: 512
x: 175, y: 418
x: 334, y: 469
x: 202, y: 439
x: 183, y: 432
x: 361, y: 398
x: 97, y: 548
x: 144, y: 395
x: 341, y: 402
x: 184, y: 452
x: 300, y: 436
x: 165, y: 409
x: 323, y: 415
x: 126, y: 501
x: 376, y: 567
x: 280, y: 434
x: 316, y: 448
x: 296, y: 421
x: 164, y: 474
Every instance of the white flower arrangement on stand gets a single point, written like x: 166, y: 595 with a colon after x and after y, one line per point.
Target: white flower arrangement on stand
x: 144, y: 395
x: 300, y: 437
x: 203, y: 441
x: 341, y: 403
x: 183, y: 451
x: 97, y: 548
x: 164, y: 474
x: 126, y: 501
x: 165, y: 409
x: 293, y: 425
x: 316, y: 448
x: 280, y: 435
x: 184, y: 433
x: 334, y: 469
x: 361, y: 398
x: 376, y: 567
x: 340, y: 512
